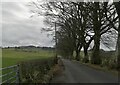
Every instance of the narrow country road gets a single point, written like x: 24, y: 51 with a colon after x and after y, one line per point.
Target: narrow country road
x: 78, y: 73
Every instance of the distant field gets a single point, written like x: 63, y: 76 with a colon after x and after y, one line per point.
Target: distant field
x: 12, y: 56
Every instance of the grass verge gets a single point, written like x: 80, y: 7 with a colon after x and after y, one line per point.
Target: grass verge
x: 98, y: 67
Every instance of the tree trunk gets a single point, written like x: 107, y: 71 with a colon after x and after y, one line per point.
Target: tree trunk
x: 97, y: 25
x: 118, y: 47
x: 71, y: 55
x: 117, y: 5
x: 95, y: 56
x: 78, y: 52
x: 85, y: 55
x: 77, y: 55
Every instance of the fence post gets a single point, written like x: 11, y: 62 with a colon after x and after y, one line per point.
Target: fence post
x: 18, y: 74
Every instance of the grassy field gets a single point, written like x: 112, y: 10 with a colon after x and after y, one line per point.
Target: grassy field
x: 11, y: 56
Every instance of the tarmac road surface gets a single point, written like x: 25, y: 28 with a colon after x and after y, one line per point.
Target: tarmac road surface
x: 78, y: 73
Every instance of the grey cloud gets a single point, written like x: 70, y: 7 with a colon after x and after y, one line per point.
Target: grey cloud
x: 19, y: 29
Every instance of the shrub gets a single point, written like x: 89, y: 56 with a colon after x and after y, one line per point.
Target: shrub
x: 33, y: 71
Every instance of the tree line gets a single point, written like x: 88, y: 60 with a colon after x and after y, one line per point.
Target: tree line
x: 83, y: 26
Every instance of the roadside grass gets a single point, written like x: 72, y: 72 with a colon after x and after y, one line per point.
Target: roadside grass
x: 107, y: 58
x: 98, y: 67
x: 105, y: 69
x: 12, y: 57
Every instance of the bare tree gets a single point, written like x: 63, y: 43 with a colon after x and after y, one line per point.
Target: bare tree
x: 81, y: 23
x: 117, y: 5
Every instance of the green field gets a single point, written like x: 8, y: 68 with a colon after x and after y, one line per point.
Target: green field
x: 11, y: 56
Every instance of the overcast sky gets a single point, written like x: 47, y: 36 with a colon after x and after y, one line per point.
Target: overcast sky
x: 19, y: 29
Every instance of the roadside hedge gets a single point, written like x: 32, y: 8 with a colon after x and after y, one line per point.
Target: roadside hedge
x: 33, y: 71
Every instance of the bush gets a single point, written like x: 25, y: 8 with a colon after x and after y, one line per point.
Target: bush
x: 108, y: 59
x: 109, y: 62
x: 33, y: 71
x: 112, y: 64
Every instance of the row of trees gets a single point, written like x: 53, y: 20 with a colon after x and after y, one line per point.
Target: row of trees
x: 79, y: 24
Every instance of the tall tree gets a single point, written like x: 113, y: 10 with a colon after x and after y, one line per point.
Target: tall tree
x: 117, y: 5
x: 81, y: 23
